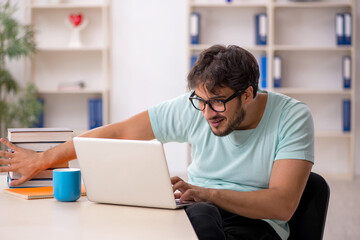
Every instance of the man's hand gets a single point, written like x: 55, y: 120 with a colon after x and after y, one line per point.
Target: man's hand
x: 26, y: 162
x: 188, y: 192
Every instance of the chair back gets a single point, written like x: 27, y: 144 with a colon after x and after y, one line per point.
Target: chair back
x: 308, y: 221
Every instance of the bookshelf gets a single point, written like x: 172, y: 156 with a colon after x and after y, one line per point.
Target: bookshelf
x: 57, y: 64
x: 303, y: 35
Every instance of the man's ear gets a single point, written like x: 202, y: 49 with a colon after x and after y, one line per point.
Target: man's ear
x: 248, y: 95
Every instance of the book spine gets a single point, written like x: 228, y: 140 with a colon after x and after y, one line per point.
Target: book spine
x: 263, y: 72
x: 37, y: 135
x: 45, y: 174
x: 40, y: 118
x: 195, y: 28
x: 346, y: 71
x: 277, y: 71
x: 347, y: 28
x: 339, y: 28
x: 95, y: 113
x: 91, y: 109
x: 261, y: 28
x: 346, y: 115
x: 99, y: 113
x: 193, y: 60
x: 31, y: 183
x: 38, y: 147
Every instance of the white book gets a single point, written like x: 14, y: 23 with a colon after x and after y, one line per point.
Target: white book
x: 45, y: 174
x: 32, y: 183
x: 38, y: 146
x: 17, y: 135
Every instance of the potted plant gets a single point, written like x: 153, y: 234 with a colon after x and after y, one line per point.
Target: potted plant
x: 19, y: 107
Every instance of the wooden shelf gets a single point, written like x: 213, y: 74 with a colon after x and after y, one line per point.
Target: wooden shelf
x: 67, y: 49
x: 248, y: 4
x: 311, y: 48
x: 55, y: 64
x: 67, y: 5
x: 334, y: 4
x: 80, y: 91
x: 312, y: 91
x: 201, y: 47
x: 332, y: 134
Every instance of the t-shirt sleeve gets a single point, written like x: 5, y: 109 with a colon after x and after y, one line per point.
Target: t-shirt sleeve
x: 171, y: 120
x: 296, y: 134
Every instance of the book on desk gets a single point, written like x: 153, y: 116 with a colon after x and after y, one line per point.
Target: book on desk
x: 39, y: 140
x: 36, y: 192
x: 24, y: 135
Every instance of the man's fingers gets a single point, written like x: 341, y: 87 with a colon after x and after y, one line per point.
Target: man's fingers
x: 179, y: 186
x: 8, y: 144
x: 187, y: 196
x: 18, y: 182
x: 4, y: 169
x: 175, y: 179
x: 5, y: 161
x: 177, y: 195
x: 6, y: 154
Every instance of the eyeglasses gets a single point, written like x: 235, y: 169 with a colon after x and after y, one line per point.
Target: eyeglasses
x: 217, y: 105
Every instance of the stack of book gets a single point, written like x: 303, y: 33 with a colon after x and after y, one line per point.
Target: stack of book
x: 39, y: 140
x: 37, y: 192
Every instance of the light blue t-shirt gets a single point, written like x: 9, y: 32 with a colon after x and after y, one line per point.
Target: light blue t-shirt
x: 242, y: 160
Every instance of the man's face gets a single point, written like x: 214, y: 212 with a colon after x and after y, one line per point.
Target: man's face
x: 222, y: 123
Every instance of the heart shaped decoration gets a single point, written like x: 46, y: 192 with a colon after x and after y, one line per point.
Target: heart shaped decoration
x: 75, y: 19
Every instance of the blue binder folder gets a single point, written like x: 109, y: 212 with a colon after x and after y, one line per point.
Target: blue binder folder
x: 95, y: 113
x: 193, y: 60
x: 343, y: 28
x: 346, y: 71
x: 195, y: 28
x: 347, y: 28
x: 261, y: 28
x: 277, y: 71
x: 346, y: 115
x: 263, y: 71
x: 339, y: 29
x: 40, y: 117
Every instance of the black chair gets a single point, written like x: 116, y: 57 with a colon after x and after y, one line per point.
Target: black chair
x: 308, y: 221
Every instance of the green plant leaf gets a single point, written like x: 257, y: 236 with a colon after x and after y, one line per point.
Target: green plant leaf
x: 7, y: 81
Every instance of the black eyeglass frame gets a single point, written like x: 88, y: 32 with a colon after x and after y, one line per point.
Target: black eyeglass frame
x: 238, y: 93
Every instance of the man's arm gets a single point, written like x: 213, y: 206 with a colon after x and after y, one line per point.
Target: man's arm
x: 279, y: 201
x: 29, y: 163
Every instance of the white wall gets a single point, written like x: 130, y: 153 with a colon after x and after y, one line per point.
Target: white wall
x: 148, y: 61
x: 17, y: 67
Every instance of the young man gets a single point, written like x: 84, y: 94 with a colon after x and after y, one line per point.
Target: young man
x: 252, y: 151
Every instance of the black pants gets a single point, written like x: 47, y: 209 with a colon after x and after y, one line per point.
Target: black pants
x: 212, y: 222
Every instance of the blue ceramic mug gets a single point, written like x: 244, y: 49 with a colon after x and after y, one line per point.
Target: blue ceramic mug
x: 67, y: 184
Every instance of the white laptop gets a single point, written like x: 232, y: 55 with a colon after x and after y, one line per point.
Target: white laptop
x: 125, y: 172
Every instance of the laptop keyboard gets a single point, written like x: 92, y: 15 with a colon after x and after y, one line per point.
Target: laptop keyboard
x: 178, y: 203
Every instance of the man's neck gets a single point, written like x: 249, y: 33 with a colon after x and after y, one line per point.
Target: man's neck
x: 254, y: 112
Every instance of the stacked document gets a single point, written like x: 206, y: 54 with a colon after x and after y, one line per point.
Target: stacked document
x: 39, y: 140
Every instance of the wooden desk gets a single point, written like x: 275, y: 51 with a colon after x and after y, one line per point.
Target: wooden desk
x: 51, y: 219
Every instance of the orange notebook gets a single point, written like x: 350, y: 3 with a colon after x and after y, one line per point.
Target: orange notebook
x: 36, y: 192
